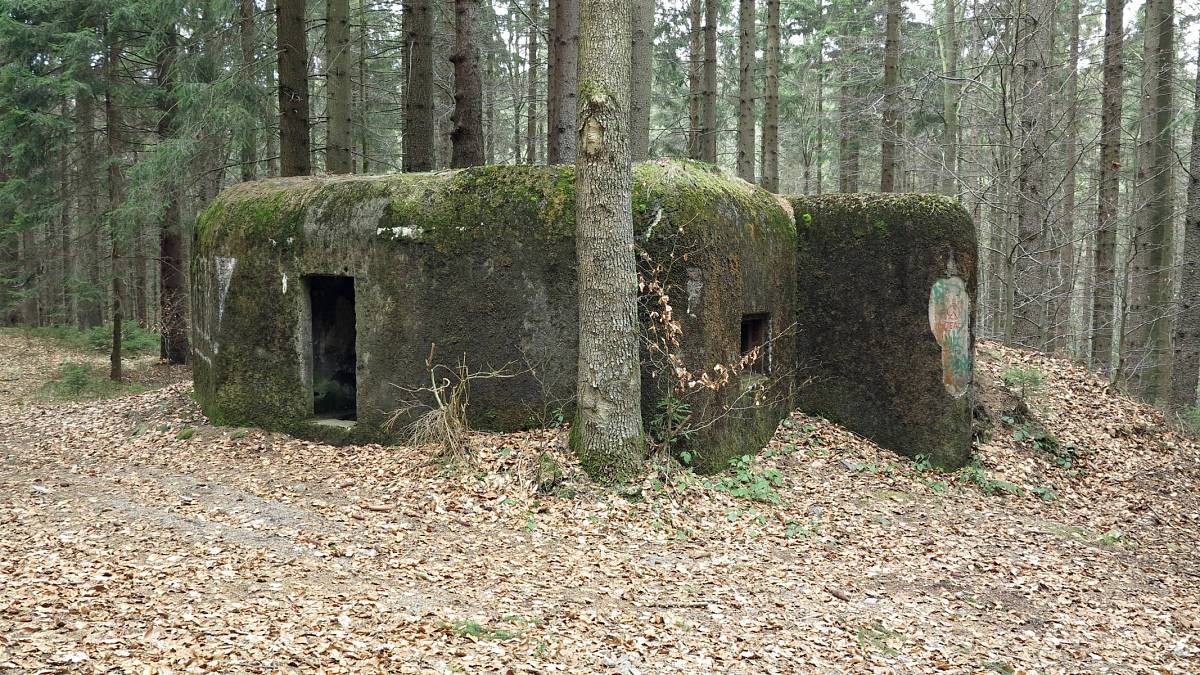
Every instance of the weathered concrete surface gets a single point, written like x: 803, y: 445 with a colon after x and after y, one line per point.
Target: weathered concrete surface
x: 481, y: 263
x: 885, y: 285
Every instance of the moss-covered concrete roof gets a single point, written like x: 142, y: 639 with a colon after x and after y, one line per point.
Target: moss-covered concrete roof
x: 447, y: 207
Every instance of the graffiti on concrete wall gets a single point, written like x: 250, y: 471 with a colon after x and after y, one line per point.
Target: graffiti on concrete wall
x: 950, y: 321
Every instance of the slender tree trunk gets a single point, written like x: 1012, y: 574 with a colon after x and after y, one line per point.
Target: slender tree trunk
x: 746, y: 117
x: 275, y: 112
x: 364, y: 90
x: 891, y: 98
x: 468, y: 88
x: 88, y: 260
x: 1186, y: 366
x: 1145, y: 358
x: 695, y: 59
x: 63, y: 301
x: 641, y: 57
x: 489, y: 109
x: 819, y: 159
x: 172, y: 297
x: 708, y: 112
x: 418, y: 94
x: 338, y: 144
x: 1064, y: 289
x: 1103, y: 310
x: 847, y: 140
x: 294, y: 159
x: 249, y: 140
x: 950, y: 46
x: 563, y: 82
x: 770, y: 133
x: 531, y: 99
x: 116, y: 196
x: 1033, y: 207
x: 607, y: 435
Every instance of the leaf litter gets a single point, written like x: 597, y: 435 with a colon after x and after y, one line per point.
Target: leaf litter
x: 129, y: 546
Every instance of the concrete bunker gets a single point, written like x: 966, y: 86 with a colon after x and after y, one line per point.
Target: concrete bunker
x: 884, y: 287
x: 317, y: 302
x: 296, y: 279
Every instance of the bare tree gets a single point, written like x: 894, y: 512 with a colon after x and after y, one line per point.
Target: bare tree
x: 337, y: 87
x: 1146, y: 341
x: 770, y: 134
x: 746, y: 94
x: 564, y: 64
x: 294, y: 140
x: 891, y: 133
x: 468, y: 87
x: 1186, y: 365
x: 1104, y: 277
x: 419, y: 127
x: 607, y: 434
x: 708, y: 111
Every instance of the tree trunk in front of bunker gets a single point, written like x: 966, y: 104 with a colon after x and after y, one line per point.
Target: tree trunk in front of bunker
x: 607, y: 435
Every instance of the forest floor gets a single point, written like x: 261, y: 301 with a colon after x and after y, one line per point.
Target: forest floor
x: 135, y: 537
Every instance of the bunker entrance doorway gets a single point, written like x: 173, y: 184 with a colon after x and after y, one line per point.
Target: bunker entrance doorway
x: 334, y: 376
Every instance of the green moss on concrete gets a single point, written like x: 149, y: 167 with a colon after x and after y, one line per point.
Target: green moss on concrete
x: 865, y: 267
x: 438, y: 255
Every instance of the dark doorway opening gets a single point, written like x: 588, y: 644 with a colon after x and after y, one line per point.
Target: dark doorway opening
x: 756, y: 329
x: 335, y: 382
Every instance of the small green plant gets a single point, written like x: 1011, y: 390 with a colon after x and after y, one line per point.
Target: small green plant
x: 185, y: 433
x: 1045, y: 493
x: 975, y: 473
x: 474, y: 629
x: 749, y: 481
x: 1041, y: 439
x: 1112, y: 538
x: 1026, y: 382
x: 798, y: 530
x: 80, y: 381
x: 669, y: 427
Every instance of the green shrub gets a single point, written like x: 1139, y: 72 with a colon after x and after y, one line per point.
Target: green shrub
x: 1026, y: 382
x: 1190, y: 419
x: 135, y: 340
x: 749, y: 481
x: 80, y: 381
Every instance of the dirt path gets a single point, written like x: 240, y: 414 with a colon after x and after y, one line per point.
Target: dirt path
x: 133, y: 536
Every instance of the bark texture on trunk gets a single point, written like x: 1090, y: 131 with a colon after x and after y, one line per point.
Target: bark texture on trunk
x: 770, y: 133
x: 1035, y: 33
x: 172, y: 296
x: 294, y: 156
x: 607, y: 434
x: 1145, y: 347
x: 746, y: 118
x: 641, y: 55
x: 563, y: 82
x: 1186, y: 365
x: 468, y: 87
x: 1104, y: 274
x: 695, y: 61
x: 338, y: 158
x: 87, y: 260
x: 531, y: 98
x: 708, y: 112
x: 891, y: 99
x: 950, y: 45
x: 418, y: 95
x: 249, y: 39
